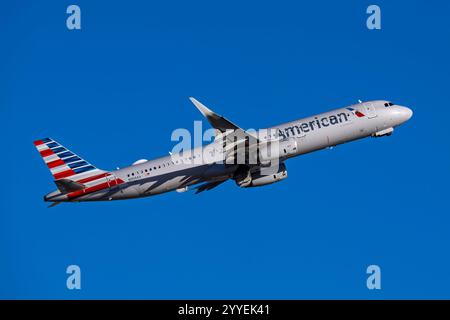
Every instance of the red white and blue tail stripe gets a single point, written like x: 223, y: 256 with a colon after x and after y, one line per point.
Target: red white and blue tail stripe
x: 63, y: 163
x: 74, y: 176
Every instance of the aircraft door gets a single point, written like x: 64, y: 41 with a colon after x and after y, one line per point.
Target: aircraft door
x: 369, y: 110
x: 111, y: 180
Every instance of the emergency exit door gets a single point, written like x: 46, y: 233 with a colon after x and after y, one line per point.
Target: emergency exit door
x: 369, y: 110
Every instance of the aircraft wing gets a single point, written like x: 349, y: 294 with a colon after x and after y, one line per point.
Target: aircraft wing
x: 234, y: 137
x: 236, y: 141
x: 217, y: 121
x: 209, y: 185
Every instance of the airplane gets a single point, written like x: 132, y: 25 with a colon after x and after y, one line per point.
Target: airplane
x: 78, y: 180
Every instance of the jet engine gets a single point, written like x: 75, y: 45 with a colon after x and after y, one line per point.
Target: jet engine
x: 261, y: 177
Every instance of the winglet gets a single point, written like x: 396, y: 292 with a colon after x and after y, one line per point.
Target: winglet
x: 217, y: 121
x: 202, y: 108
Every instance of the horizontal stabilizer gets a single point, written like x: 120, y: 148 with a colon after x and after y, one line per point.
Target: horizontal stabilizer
x: 67, y: 185
x: 54, y: 204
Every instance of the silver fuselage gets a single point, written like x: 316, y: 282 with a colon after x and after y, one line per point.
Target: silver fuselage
x: 311, y: 134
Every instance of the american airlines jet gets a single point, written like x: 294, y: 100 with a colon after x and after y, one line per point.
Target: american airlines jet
x: 236, y: 154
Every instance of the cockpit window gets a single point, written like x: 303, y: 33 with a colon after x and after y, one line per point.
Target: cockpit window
x: 388, y: 104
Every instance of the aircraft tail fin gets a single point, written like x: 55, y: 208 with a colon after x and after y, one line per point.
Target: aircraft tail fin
x: 64, y: 164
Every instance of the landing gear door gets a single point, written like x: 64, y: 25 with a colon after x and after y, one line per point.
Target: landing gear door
x: 369, y: 110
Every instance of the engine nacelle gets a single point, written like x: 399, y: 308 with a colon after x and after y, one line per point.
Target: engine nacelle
x: 276, y: 150
x: 382, y: 133
x: 259, y: 178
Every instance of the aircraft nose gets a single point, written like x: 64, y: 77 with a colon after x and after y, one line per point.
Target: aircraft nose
x: 406, y: 113
x: 400, y: 114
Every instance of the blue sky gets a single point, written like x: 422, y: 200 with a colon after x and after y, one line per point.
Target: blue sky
x: 114, y: 91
